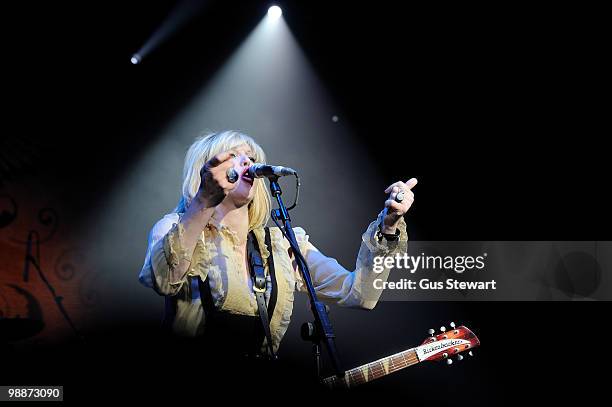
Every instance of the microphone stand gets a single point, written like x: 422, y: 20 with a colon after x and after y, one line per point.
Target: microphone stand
x: 321, y: 330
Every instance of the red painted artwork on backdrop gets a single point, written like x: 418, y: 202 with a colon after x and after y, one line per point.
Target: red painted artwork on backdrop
x: 47, y: 290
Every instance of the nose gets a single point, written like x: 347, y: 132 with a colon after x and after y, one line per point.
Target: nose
x: 245, y: 161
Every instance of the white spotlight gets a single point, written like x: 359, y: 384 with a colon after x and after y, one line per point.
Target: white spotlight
x: 135, y: 59
x: 275, y: 12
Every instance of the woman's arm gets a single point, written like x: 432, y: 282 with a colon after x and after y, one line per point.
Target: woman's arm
x: 334, y: 283
x: 172, y: 241
x: 172, y: 246
x: 160, y: 258
x: 356, y: 289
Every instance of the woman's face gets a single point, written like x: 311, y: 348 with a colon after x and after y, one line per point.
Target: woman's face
x: 244, y: 192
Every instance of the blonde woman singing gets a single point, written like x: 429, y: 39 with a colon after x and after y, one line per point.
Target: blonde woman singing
x: 197, y: 256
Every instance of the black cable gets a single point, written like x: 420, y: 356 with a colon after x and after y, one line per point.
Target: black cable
x: 297, y: 192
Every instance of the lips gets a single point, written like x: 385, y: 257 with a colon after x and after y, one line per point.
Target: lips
x: 245, y: 176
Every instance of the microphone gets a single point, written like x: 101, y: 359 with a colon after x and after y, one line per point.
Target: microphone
x: 263, y: 170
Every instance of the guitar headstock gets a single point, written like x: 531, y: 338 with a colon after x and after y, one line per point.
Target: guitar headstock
x: 448, y: 343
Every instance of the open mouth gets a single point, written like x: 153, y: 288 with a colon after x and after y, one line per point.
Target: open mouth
x: 246, y: 177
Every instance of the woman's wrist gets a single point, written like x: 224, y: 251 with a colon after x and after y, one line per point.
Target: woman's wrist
x: 390, y: 234
x: 199, y: 212
x: 388, y: 230
x: 201, y: 202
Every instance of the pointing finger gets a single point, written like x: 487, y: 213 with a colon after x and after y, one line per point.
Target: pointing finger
x: 411, y: 183
x: 219, y: 159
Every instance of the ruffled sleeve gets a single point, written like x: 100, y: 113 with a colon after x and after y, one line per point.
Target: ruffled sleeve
x: 354, y: 288
x: 167, y: 265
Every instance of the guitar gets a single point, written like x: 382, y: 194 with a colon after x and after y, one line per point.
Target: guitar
x: 434, y: 348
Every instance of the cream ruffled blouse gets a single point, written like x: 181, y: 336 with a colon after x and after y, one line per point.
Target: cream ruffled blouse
x: 215, y: 257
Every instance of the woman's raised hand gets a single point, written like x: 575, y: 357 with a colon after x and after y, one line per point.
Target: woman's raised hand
x: 215, y: 186
x: 395, y: 209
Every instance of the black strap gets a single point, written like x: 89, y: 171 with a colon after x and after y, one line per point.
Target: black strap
x: 261, y: 329
x: 258, y: 274
x: 272, y: 271
x: 170, y: 305
x: 206, y: 298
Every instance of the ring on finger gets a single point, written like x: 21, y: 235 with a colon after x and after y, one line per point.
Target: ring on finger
x: 399, y: 197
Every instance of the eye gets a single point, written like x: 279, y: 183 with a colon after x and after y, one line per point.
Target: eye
x: 233, y: 155
x: 253, y: 159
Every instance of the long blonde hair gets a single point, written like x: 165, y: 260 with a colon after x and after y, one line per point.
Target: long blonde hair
x: 206, y: 147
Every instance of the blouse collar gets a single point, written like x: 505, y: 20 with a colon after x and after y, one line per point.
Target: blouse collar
x: 225, y: 231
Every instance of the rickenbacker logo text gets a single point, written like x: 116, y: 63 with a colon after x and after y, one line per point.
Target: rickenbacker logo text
x: 440, y: 346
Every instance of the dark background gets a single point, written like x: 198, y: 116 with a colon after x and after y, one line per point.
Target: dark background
x: 498, y: 109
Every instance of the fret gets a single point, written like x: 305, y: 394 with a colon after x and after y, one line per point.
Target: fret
x: 433, y: 348
x: 381, y: 367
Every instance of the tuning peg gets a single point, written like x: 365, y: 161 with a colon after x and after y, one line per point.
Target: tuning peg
x: 459, y: 357
x: 443, y: 329
x: 470, y: 353
x: 431, y: 332
x: 449, y: 361
x: 452, y: 325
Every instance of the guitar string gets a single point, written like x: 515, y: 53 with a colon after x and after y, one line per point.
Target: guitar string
x: 377, y: 370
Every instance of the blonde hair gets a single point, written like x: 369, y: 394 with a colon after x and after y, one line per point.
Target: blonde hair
x: 206, y: 147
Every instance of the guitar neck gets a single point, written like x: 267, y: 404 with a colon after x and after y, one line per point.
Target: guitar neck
x: 373, y: 370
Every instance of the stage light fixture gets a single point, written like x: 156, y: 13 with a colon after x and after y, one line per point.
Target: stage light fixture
x: 275, y: 12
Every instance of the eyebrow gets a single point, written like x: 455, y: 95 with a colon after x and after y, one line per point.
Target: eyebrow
x: 247, y: 152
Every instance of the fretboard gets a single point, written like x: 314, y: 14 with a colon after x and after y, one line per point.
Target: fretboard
x: 374, y: 370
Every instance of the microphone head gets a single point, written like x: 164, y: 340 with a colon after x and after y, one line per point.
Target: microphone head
x: 253, y: 169
x: 286, y: 171
x: 264, y: 170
